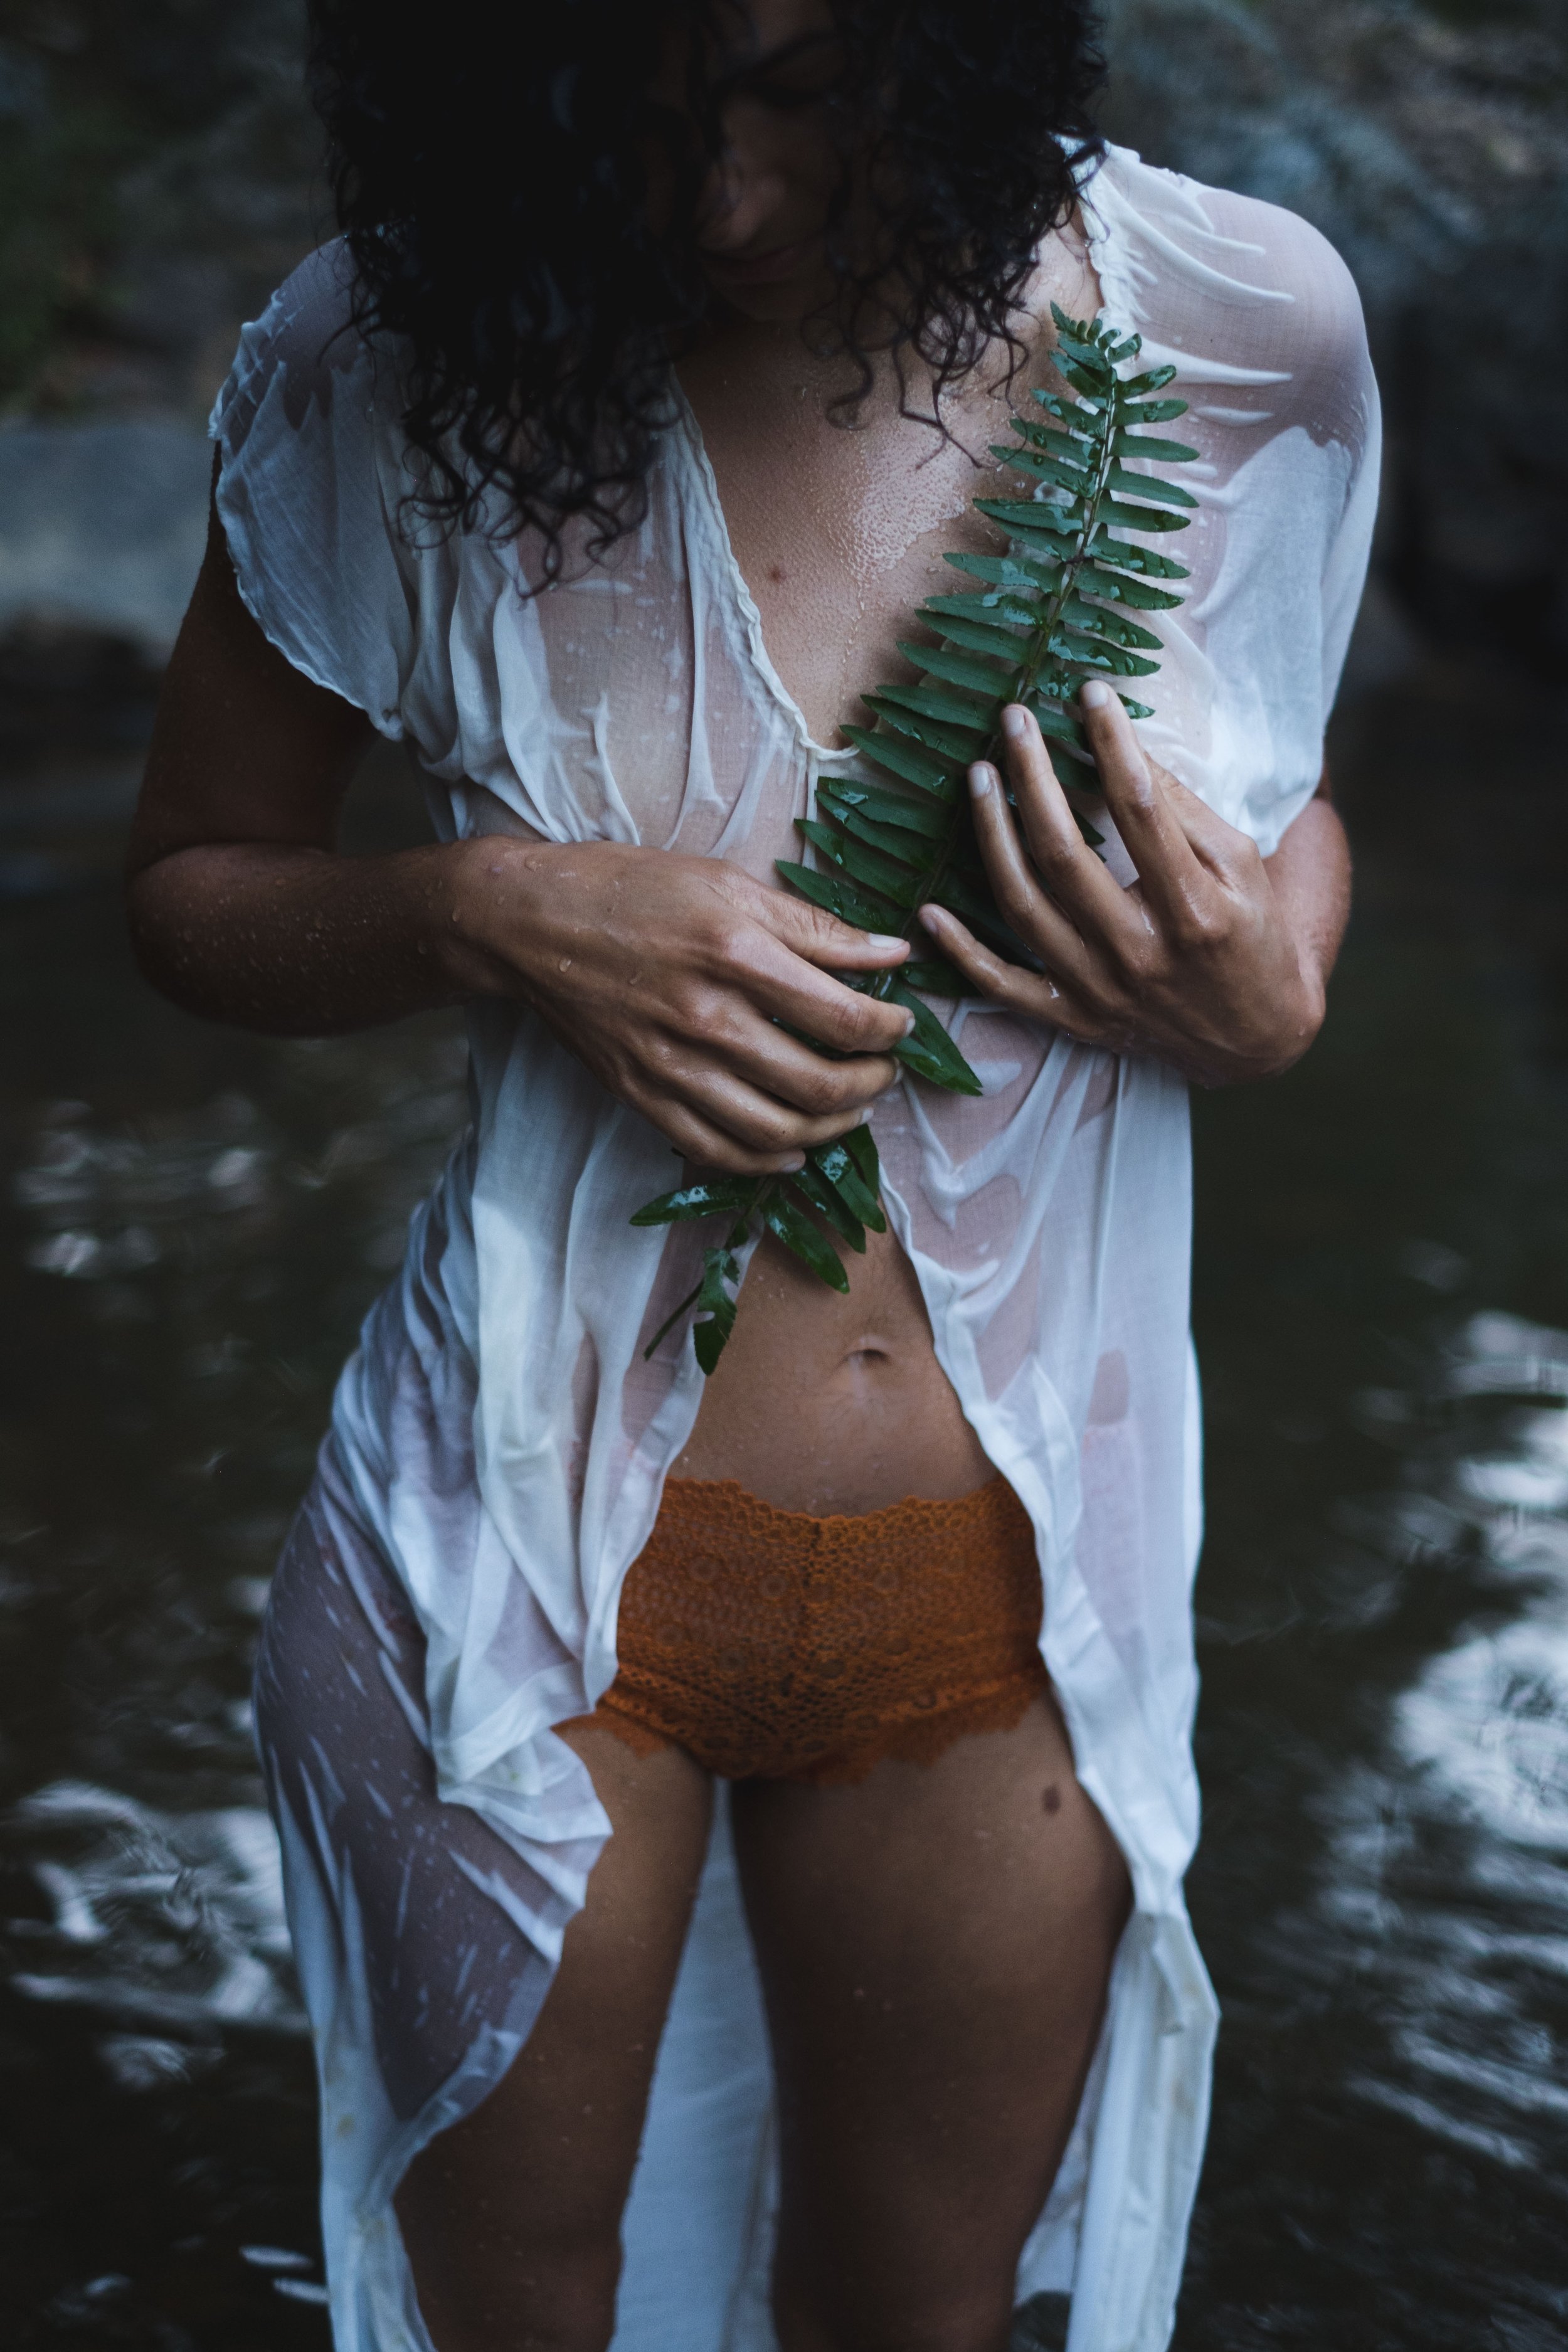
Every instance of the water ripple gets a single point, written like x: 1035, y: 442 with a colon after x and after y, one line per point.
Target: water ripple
x: 171, y: 1923
x: 1442, y: 1885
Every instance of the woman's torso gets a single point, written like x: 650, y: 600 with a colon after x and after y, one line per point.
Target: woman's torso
x: 823, y: 1401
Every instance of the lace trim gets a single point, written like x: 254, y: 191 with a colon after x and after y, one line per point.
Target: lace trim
x: 774, y: 1644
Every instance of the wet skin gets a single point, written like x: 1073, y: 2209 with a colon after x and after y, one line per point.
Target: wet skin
x: 916, y: 2151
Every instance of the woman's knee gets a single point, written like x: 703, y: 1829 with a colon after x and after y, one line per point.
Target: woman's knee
x: 483, y: 2290
x: 812, y: 2316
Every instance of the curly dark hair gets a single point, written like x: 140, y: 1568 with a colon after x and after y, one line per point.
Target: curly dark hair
x: 491, y: 172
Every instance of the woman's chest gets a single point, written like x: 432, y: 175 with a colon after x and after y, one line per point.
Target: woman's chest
x: 840, y: 499
x: 840, y: 528
x: 674, y: 693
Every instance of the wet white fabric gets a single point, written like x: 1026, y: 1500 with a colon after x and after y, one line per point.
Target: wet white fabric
x: 500, y: 1446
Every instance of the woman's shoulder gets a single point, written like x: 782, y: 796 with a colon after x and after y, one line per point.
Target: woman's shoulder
x: 316, y: 299
x: 301, y: 355
x: 1222, y: 275
x: 309, y: 444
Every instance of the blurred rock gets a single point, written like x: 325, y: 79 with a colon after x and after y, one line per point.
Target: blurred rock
x: 101, y: 525
x: 1430, y: 145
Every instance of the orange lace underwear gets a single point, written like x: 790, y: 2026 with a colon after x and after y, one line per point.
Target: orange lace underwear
x: 772, y: 1644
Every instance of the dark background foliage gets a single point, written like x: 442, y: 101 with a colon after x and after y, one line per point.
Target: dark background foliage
x: 155, y: 179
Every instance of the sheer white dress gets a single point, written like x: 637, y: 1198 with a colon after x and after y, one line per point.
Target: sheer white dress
x: 499, y: 1445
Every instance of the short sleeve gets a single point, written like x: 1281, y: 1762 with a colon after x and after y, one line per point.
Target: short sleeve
x: 310, y: 478
x: 1304, y: 498
x: 1262, y: 322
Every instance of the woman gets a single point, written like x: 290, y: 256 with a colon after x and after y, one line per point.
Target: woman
x: 603, y: 464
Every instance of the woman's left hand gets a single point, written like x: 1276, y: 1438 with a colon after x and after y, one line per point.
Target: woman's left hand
x: 1200, y: 962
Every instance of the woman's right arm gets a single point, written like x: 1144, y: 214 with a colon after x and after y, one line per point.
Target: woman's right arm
x: 669, y: 976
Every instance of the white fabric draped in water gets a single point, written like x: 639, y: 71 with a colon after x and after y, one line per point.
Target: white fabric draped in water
x: 499, y: 1445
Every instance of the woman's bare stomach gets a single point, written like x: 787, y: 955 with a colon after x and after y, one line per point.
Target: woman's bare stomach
x: 828, y: 1403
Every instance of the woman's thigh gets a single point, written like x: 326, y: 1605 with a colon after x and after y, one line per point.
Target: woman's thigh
x: 934, y: 1945
x: 511, y: 2219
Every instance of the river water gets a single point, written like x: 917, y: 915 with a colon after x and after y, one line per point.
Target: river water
x: 192, y: 1222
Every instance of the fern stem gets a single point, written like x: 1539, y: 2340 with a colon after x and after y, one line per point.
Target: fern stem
x: 1027, y: 675
x: 739, y: 1232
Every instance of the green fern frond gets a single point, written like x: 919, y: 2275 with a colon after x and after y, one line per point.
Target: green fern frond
x: 1051, y: 612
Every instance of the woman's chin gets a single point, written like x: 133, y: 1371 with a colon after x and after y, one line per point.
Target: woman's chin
x: 770, y: 306
x: 774, y: 301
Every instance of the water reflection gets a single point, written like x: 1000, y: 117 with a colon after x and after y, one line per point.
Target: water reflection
x: 191, y: 1225
x: 1442, y: 1882
x: 1384, y: 1611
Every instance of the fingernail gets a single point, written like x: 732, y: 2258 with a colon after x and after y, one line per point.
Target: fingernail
x: 1016, y: 722
x: 982, y: 777
x: 932, y: 917
x: 885, y: 942
x: 1094, y: 694
x: 908, y: 1020
x: 787, y: 1166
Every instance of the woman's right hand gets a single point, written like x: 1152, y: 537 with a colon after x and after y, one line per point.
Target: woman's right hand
x: 669, y: 976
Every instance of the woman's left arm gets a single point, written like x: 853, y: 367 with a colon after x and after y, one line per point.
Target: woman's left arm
x: 1216, y: 961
